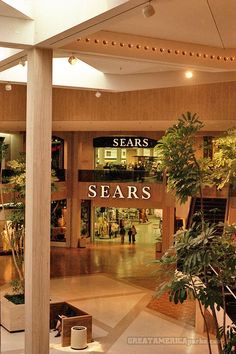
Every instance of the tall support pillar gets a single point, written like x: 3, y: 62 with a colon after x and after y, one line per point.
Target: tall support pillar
x: 38, y: 196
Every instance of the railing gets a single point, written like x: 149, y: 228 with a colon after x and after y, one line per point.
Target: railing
x: 110, y: 175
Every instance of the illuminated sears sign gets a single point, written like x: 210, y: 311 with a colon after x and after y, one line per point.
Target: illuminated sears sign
x: 130, y: 192
x: 124, y: 141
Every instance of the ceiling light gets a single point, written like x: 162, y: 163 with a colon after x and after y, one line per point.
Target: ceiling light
x: 148, y: 10
x: 98, y: 94
x: 72, y: 60
x: 188, y: 74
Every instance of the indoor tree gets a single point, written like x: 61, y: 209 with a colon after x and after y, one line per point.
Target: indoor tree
x: 205, y: 257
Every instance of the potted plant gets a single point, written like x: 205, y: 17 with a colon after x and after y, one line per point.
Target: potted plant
x: 201, y: 264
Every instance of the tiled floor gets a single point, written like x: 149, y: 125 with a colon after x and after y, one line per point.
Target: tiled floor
x: 121, y: 321
x: 115, y: 284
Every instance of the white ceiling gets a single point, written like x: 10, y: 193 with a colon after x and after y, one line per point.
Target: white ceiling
x: 208, y: 23
x: 191, y: 21
x: 120, y: 66
x: 7, y: 10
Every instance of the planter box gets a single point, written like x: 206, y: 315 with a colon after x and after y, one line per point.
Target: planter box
x: 12, y: 316
x: 13, y: 319
x: 80, y: 318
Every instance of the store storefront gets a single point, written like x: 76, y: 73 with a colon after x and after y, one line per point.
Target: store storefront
x: 123, y: 187
x: 127, y: 157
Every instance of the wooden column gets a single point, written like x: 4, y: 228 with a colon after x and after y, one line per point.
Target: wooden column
x: 38, y: 196
x: 167, y: 227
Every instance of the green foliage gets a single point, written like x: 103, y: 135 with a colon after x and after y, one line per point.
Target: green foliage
x: 176, y: 153
x: 17, y: 299
x: 224, y: 159
x: 17, y: 286
x: 16, y: 226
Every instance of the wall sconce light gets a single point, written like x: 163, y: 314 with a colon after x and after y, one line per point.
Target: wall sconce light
x: 72, y: 60
x: 98, y: 94
x: 148, y: 10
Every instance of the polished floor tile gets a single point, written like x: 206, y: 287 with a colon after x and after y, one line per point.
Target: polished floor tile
x: 88, y: 286
x: 109, y: 310
x: 122, y: 323
x: 147, y: 329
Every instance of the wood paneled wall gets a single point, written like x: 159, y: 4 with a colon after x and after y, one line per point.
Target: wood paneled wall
x: 212, y: 102
x: 215, y: 103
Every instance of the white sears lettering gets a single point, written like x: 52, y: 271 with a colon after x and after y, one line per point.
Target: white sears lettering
x: 92, y: 191
x: 115, y: 142
x: 105, y: 191
x: 132, y: 190
x: 145, y: 142
x: 129, y: 143
x: 146, y: 193
x: 138, y: 142
x: 118, y: 194
x: 122, y: 142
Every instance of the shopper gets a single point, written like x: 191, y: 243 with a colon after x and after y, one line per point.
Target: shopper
x: 134, y: 232
x: 122, y: 235
x: 130, y: 235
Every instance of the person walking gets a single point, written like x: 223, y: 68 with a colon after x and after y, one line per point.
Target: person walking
x: 130, y: 235
x: 122, y: 235
x: 134, y: 232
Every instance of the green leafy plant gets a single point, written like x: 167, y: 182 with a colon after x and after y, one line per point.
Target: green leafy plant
x: 202, y: 262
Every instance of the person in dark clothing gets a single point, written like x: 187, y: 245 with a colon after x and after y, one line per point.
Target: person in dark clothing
x: 69, y: 312
x: 122, y: 235
x: 134, y: 232
x: 130, y: 235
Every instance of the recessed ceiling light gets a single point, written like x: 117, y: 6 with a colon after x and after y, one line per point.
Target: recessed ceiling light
x: 188, y: 74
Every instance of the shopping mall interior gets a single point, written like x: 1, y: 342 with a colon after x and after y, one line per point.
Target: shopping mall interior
x: 87, y: 90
